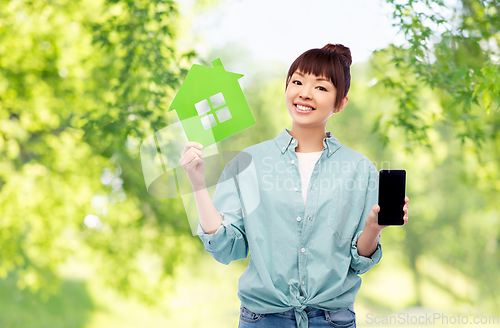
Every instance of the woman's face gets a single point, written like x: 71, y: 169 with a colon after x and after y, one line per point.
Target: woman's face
x: 310, y: 99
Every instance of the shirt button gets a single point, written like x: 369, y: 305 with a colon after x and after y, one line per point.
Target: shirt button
x: 284, y: 148
x: 303, y: 282
x: 309, y: 218
x: 293, y: 141
x: 302, y: 249
x: 293, y: 161
x: 330, y: 151
x: 312, y: 189
x: 298, y: 218
x: 295, y: 189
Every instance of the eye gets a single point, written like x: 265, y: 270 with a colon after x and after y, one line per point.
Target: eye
x: 297, y: 82
x: 322, y: 89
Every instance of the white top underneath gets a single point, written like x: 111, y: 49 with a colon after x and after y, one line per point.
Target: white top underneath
x: 306, y: 166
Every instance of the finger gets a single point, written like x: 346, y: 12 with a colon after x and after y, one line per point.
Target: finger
x: 407, y: 199
x: 191, y: 144
x: 193, y: 164
x: 186, y: 157
x: 383, y: 226
x: 196, y: 151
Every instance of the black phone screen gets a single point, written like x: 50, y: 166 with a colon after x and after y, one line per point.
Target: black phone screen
x: 391, y: 197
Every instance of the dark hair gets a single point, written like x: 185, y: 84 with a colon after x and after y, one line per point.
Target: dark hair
x: 333, y: 61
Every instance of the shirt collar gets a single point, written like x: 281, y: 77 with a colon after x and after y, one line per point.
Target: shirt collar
x: 285, y: 140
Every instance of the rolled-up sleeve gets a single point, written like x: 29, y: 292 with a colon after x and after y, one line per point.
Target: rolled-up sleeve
x: 360, y: 264
x: 229, y: 243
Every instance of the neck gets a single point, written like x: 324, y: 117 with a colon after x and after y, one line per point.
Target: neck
x: 310, y: 139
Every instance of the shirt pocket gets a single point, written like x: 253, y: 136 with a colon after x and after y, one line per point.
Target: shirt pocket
x: 344, y: 215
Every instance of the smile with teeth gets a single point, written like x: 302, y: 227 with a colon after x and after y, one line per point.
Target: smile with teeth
x: 305, y: 108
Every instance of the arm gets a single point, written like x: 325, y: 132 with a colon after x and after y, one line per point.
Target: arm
x: 194, y: 166
x: 366, y: 249
x: 210, y: 219
x: 367, y: 242
x: 225, y: 236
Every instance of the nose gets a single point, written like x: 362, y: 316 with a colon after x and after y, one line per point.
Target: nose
x: 305, y: 93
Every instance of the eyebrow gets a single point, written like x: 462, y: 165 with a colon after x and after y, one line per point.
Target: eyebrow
x: 317, y: 79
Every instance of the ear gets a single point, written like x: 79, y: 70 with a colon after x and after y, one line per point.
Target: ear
x: 343, y: 103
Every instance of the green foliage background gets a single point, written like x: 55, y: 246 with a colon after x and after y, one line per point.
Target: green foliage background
x: 82, y: 83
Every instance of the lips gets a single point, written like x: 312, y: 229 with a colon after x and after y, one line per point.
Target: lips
x: 303, y: 108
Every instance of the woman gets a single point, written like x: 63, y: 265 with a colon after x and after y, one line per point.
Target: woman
x: 303, y: 204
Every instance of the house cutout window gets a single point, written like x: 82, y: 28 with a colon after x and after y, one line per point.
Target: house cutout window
x: 215, y: 103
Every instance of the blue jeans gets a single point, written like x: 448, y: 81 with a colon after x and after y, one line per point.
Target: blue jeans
x: 317, y: 318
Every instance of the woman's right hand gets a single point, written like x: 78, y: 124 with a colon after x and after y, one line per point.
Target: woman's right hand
x: 192, y: 162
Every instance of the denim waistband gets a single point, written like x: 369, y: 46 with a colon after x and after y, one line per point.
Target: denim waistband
x: 309, y: 310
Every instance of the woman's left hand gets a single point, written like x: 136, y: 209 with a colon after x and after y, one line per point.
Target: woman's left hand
x: 372, y: 218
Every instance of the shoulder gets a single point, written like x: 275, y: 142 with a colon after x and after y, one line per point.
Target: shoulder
x: 357, y: 158
x: 253, y: 153
x: 264, y: 146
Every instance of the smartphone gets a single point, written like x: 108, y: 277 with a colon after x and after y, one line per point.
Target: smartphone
x: 391, y: 197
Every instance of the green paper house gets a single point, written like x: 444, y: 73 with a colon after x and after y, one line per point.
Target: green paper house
x: 211, y: 105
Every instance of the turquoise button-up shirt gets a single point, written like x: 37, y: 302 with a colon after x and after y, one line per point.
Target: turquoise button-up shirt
x: 299, y: 255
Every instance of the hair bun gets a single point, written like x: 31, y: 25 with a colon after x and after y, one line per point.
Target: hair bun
x: 341, y: 50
